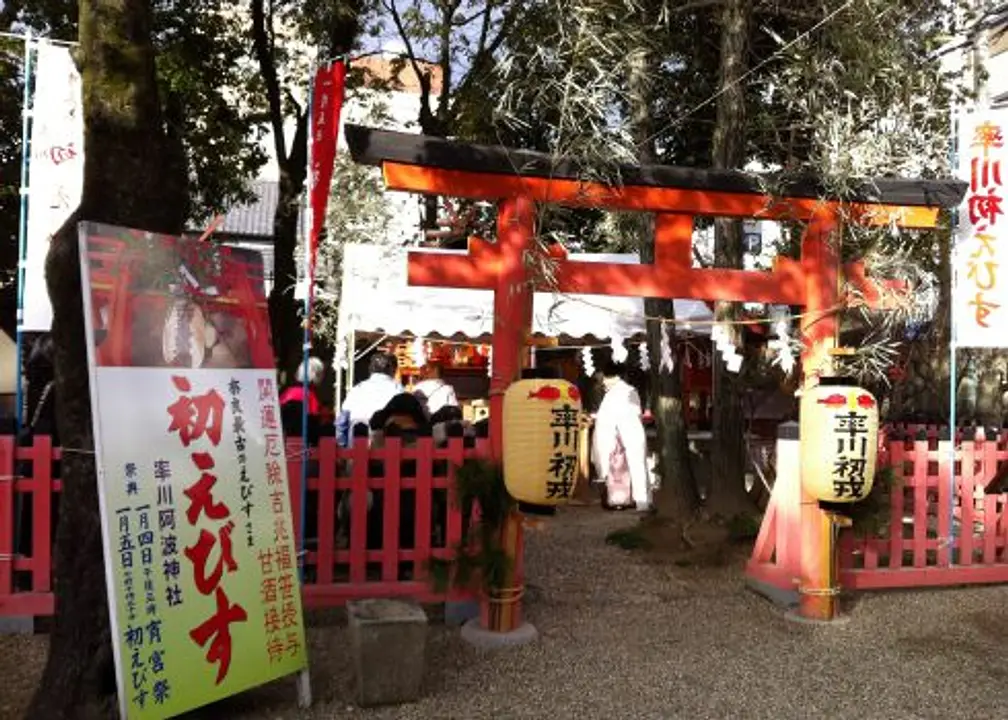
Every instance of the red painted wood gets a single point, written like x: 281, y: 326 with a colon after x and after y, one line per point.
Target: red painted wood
x: 422, y: 502
x: 27, y: 604
x: 944, y: 502
x: 919, y: 482
x: 358, y: 511
x: 42, y: 531
x: 967, y: 514
x: 390, y: 516
x: 6, y: 517
x: 456, y: 455
x: 326, y: 510
x: 924, y: 577
x: 898, y: 458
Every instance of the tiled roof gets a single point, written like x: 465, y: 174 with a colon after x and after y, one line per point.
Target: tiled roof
x: 255, y: 219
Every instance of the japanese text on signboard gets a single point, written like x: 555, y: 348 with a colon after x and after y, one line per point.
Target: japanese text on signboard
x: 201, y: 418
x: 981, y: 292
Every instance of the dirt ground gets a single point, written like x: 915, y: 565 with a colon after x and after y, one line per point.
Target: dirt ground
x: 632, y: 634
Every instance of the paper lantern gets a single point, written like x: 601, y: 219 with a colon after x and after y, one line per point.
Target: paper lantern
x: 542, y: 422
x: 839, y: 441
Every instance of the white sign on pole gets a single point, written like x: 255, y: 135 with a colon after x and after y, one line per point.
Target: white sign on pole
x: 55, y: 172
x: 980, y: 279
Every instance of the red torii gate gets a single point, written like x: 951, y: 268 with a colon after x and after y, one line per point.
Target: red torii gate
x: 517, y: 180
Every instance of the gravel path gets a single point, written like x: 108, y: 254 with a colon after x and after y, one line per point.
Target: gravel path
x: 625, y: 638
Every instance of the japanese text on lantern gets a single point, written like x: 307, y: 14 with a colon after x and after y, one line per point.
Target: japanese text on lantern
x: 200, y: 417
x: 984, y: 207
x: 564, y: 424
x: 851, y: 462
x: 241, y: 445
x: 279, y: 583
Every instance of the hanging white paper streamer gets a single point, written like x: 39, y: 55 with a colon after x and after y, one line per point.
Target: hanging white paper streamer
x: 784, y: 353
x: 619, y: 351
x: 341, y: 355
x: 667, y: 363
x: 419, y: 356
x: 645, y: 361
x: 490, y: 362
x: 587, y: 362
x: 722, y: 341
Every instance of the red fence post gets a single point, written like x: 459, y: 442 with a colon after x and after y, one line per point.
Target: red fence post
x: 6, y: 516
x: 390, y: 511
x: 422, y: 502
x: 325, y: 559
x: 358, y: 510
x: 42, y: 535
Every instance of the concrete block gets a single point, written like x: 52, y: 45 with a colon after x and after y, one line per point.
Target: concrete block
x: 14, y: 625
x: 388, y: 639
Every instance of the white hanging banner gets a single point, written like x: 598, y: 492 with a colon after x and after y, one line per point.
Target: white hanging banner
x: 980, y: 280
x: 55, y: 171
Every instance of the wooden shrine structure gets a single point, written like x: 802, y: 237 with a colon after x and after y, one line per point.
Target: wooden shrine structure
x: 517, y: 180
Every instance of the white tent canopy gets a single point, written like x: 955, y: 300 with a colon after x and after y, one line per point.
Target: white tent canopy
x: 375, y: 297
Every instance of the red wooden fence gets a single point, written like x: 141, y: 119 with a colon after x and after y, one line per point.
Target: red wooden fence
x: 351, y: 552
x: 940, y: 531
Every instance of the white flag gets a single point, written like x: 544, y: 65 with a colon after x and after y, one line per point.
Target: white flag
x: 55, y: 171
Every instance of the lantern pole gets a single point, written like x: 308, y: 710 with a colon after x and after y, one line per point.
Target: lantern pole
x: 817, y: 591
x: 512, y: 324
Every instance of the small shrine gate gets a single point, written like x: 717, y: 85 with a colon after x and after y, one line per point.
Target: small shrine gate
x: 516, y: 180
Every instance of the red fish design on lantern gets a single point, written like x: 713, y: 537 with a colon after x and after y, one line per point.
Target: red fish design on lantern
x: 549, y: 393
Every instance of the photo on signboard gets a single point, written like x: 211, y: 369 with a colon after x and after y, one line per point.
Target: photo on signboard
x: 207, y: 301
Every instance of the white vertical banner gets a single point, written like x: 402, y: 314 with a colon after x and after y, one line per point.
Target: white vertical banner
x: 55, y: 172
x: 980, y: 279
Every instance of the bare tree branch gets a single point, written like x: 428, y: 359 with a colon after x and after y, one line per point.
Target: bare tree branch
x: 262, y: 32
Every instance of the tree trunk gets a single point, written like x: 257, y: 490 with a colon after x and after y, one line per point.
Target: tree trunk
x: 283, y: 306
x: 131, y: 178
x: 729, y: 151
x: 677, y: 496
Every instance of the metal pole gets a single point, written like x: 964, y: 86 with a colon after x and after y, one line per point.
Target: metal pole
x: 305, y: 380
x: 23, y: 230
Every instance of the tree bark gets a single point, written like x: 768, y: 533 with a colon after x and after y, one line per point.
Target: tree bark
x: 728, y: 150
x: 131, y: 178
x: 677, y: 496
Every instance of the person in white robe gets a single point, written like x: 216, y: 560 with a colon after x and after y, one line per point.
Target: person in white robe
x: 619, y: 446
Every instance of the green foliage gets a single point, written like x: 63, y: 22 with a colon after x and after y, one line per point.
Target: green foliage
x: 479, y: 562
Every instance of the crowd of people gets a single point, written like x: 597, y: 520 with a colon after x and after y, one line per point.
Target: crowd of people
x: 380, y: 406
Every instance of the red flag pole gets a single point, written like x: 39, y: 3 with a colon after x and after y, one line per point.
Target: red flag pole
x: 325, y: 103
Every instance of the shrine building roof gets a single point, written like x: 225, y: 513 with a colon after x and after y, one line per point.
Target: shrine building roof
x: 370, y: 146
